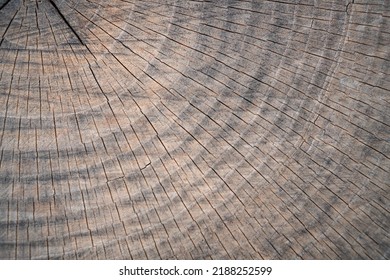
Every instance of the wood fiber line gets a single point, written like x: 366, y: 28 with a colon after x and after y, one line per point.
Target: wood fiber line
x: 194, y: 129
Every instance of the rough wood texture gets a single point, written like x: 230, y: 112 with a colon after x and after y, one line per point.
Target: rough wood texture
x: 194, y: 129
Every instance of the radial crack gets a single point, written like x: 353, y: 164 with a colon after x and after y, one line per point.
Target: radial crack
x: 66, y: 21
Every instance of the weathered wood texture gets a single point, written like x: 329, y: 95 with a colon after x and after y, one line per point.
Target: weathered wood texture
x: 194, y: 129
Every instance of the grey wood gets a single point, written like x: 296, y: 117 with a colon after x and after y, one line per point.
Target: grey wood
x: 194, y: 129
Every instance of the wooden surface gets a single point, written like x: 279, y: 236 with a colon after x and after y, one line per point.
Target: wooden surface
x: 194, y: 129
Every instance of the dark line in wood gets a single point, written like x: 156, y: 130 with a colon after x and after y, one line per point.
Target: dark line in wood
x: 66, y: 21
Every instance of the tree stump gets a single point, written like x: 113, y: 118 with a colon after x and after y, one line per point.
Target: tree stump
x: 194, y: 129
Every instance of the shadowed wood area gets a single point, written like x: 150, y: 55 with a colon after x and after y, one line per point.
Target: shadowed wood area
x: 194, y: 129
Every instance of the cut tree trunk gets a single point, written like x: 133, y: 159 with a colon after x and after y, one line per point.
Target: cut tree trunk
x: 194, y: 129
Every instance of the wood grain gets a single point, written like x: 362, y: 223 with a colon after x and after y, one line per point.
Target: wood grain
x: 194, y: 129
